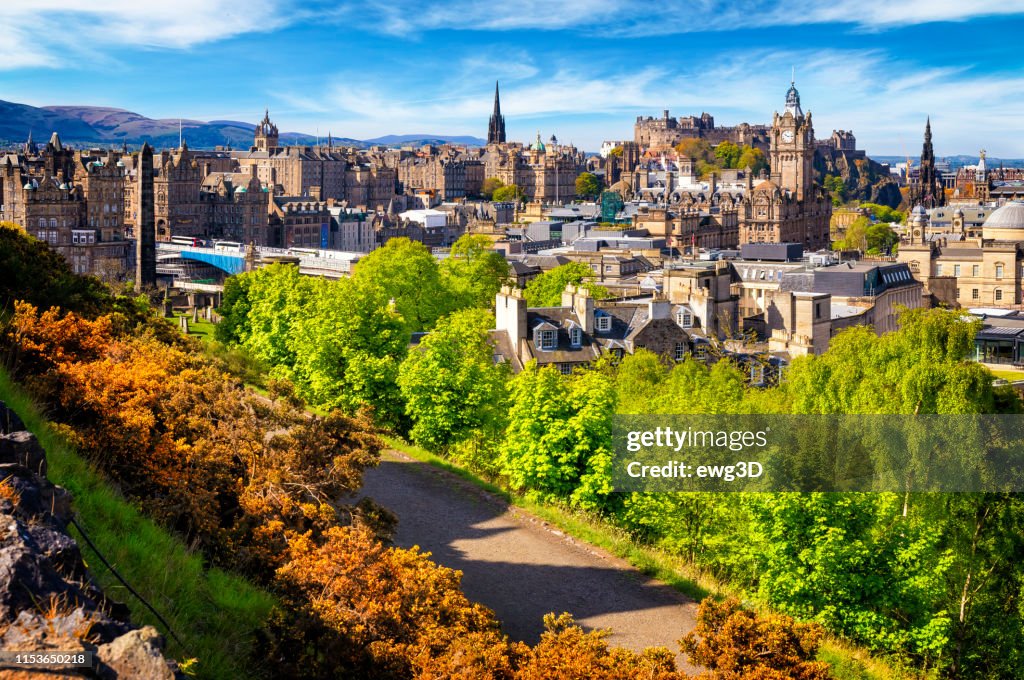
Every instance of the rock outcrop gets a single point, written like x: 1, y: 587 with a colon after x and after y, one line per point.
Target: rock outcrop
x: 865, y: 179
x: 48, y: 601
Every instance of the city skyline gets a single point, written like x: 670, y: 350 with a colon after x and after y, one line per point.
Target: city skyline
x: 582, y: 71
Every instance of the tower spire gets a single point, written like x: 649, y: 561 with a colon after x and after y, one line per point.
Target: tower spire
x: 496, y: 126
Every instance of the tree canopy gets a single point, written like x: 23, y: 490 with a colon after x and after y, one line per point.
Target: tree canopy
x: 546, y: 289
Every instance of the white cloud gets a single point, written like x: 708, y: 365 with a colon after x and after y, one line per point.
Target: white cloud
x: 848, y: 89
x: 48, y: 33
x: 641, y: 17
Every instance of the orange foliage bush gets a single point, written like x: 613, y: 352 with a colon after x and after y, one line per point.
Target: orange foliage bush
x: 736, y: 644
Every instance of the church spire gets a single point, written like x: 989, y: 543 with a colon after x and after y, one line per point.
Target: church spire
x: 496, y: 126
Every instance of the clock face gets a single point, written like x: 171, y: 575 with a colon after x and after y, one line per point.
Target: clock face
x: 787, y: 136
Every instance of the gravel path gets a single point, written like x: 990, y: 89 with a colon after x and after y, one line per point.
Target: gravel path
x: 521, y: 567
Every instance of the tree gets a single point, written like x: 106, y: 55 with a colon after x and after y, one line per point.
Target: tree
x: 234, y: 311
x: 837, y: 187
x: 451, y: 386
x: 489, y: 186
x: 546, y: 289
x: 696, y: 148
x: 587, y: 185
x: 727, y: 154
x: 558, y: 440
x: 474, y: 272
x: 884, y: 213
x: 880, y: 238
x: 752, y: 158
x: 405, y: 271
x: 855, y: 237
x: 616, y: 152
x: 510, y: 192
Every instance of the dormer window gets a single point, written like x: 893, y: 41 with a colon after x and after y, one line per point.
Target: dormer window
x: 547, y: 339
x: 684, y: 318
x: 604, y: 323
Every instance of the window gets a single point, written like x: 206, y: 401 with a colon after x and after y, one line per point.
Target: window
x: 999, y: 271
x: 700, y: 351
x: 680, y: 352
x: 604, y: 323
x: 817, y: 310
x: 956, y: 270
x: 974, y: 294
x: 565, y: 369
x: 975, y: 270
x: 547, y: 339
x: 957, y: 293
x: 998, y: 295
x: 684, y: 319
x: 938, y: 270
x: 576, y: 336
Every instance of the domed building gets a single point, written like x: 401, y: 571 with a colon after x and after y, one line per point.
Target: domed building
x: 1006, y: 223
x: 961, y: 269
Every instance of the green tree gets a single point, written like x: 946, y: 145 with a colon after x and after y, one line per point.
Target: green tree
x: 616, y: 151
x: 546, y: 289
x: 855, y: 237
x: 473, y: 271
x: 884, y: 213
x: 347, y: 345
x: 509, y: 192
x: 836, y: 186
x: 452, y: 388
x: 489, y: 186
x: 558, y: 441
x: 880, y: 238
x: 727, y: 154
x: 233, y: 310
x: 587, y: 185
x: 406, y: 272
x: 697, y: 149
x: 752, y: 158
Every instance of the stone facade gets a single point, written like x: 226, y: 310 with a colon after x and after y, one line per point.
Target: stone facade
x: 665, y: 132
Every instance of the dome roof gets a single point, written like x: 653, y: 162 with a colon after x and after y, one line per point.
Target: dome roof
x: 918, y: 210
x: 1010, y: 216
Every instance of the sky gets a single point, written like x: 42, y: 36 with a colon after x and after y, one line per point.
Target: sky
x: 580, y: 69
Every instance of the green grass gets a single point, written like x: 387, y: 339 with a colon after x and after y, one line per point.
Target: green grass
x: 848, y: 662
x: 1008, y: 374
x: 214, y: 613
x: 200, y: 330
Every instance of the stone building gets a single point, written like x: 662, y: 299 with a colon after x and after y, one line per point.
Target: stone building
x: 177, y: 185
x: 975, y: 271
x: 665, y: 132
x: 236, y: 207
x: 39, y: 191
x: 299, y: 222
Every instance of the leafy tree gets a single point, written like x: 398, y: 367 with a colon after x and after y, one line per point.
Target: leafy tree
x: 474, y: 272
x: 490, y: 185
x: 697, y: 149
x: 509, y: 192
x: 558, y: 440
x: 884, y: 213
x: 347, y: 345
x: 856, y: 234
x: 588, y: 185
x: 546, y: 289
x: 727, y: 154
x: 30, y: 271
x: 837, y: 187
x: 234, y: 311
x: 880, y: 238
x: 616, y: 151
x: 405, y: 271
x: 451, y: 386
x: 752, y: 158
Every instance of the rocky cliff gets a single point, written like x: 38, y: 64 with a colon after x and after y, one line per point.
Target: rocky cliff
x: 865, y: 179
x: 48, y: 600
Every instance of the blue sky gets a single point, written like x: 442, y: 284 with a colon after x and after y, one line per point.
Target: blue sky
x: 581, y: 69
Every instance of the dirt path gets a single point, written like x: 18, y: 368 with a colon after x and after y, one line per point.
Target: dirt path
x: 520, y: 567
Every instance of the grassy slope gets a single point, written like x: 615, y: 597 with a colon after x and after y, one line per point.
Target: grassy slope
x: 215, y: 613
x: 848, y: 662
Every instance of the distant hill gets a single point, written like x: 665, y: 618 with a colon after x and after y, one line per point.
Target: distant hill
x: 420, y: 140
x: 105, y: 126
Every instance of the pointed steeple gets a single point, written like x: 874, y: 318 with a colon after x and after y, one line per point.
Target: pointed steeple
x: 496, y: 126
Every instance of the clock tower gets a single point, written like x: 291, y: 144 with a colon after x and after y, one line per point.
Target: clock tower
x: 792, y: 147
